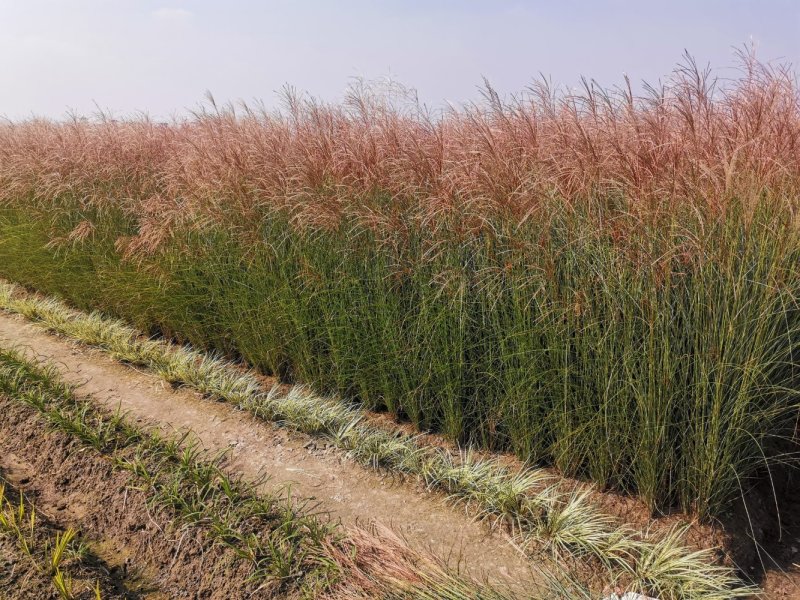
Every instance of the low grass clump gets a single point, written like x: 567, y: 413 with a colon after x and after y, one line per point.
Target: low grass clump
x: 546, y: 517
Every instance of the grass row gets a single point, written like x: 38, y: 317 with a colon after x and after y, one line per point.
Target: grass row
x: 289, y: 550
x: 542, y: 513
x: 594, y: 279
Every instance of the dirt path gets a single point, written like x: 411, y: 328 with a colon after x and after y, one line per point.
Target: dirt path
x: 342, y: 488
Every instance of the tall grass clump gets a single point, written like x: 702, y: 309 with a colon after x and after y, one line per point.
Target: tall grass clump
x: 602, y: 281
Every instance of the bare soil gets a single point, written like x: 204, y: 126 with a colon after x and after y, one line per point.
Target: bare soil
x: 762, y: 533
x: 139, y: 546
x: 23, y: 576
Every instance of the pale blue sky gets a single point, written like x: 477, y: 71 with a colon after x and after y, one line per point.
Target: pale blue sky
x: 162, y: 55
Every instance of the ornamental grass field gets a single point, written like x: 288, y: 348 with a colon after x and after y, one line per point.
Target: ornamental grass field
x: 598, y: 280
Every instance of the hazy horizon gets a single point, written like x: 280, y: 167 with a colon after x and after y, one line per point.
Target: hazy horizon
x: 162, y: 56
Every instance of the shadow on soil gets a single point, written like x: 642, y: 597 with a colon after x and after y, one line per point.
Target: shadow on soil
x: 764, y: 525
x: 116, y: 578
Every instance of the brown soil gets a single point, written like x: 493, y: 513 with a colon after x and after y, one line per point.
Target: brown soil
x: 256, y: 449
x: 105, y: 563
x: 17, y: 578
x: 762, y: 533
x: 23, y: 576
x: 81, y: 489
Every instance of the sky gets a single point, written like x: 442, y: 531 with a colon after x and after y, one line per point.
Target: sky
x: 162, y: 56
